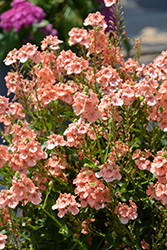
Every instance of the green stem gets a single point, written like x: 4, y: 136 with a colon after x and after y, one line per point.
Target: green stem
x: 58, y: 224
x: 99, y: 244
x: 43, y: 207
x: 13, y: 232
x: 99, y: 146
x: 132, y: 239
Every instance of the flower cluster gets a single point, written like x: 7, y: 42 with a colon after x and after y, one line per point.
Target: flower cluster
x: 23, y: 189
x: 78, y: 36
x: 87, y: 106
x: 55, y: 166
x: 125, y: 212
x: 25, y: 151
x: 109, y: 172
x: 10, y: 110
x: 66, y: 203
x: 22, y: 13
x: 86, y: 137
x: 90, y: 190
x: 85, y: 225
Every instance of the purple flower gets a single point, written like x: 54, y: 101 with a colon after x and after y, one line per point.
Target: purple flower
x: 22, y: 13
x: 48, y: 30
x: 16, y: 2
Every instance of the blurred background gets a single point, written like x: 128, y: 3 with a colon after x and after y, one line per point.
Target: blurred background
x: 147, y: 19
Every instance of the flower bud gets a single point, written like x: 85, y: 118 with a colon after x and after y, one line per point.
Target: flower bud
x: 110, y: 121
x: 86, y: 91
x: 50, y: 185
x: 17, y: 176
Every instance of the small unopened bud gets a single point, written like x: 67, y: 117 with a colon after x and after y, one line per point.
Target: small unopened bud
x: 164, y: 155
x: 51, y: 64
x: 114, y: 235
x: 100, y: 129
x: 141, y: 98
x: 50, y: 185
x: 40, y: 65
x: 110, y: 121
x: 17, y: 176
x: 86, y: 165
x: 27, y: 139
x: 75, y: 237
x: 19, y: 123
x: 86, y: 90
x: 161, y: 109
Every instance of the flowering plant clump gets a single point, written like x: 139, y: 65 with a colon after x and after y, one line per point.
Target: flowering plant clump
x: 85, y: 160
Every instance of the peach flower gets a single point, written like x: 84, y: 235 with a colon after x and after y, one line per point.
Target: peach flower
x: 11, y: 57
x: 109, y: 172
x: 144, y: 244
x: 85, y: 225
x: 3, y: 238
x: 52, y: 42
x: 66, y: 203
x: 109, y: 3
x: 91, y: 190
x: 125, y: 212
x: 78, y: 36
x: 3, y: 155
x: 95, y: 19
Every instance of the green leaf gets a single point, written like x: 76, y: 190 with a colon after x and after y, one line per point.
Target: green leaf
x: 64, y: 230
x: 49, y: 124
x: 136, y: 130
x: 71, y: 245
x: 109, y: 239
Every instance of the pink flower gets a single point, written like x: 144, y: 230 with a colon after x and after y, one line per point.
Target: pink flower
x: 87, y: 106
x: 125, y: 212
x: 144, y: 244
x: 95, y: 19
x: 143, y: 164
x: 3, y: 155
x: 55, y: 140
x: 85, y: 225
x: 91, y: 190
x: 35, y: 197
x: 109, y: 172
x: 66, y: 203
x: 52, y: 42
x: 109, y: 3
x: 2, y: 240
x: 28, y: 51
x: 10, y: 59
x: 158, y: 192
x: 78, y: 36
